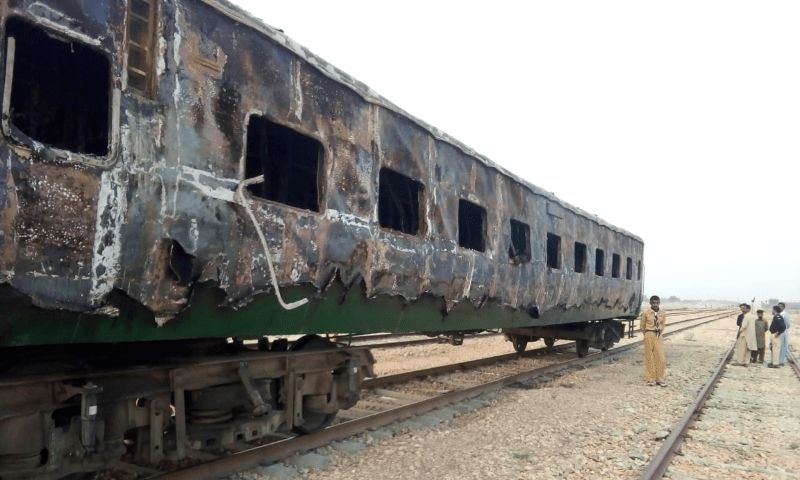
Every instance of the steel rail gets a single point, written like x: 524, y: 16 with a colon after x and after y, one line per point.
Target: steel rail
x: 278, y: 450
x: 368, y: 337
x: 793, y: 363
x: 378, y: 382
x: 425, y: 341
x: 660, y: 462
x: 177, y: 363
x: 419, y: 341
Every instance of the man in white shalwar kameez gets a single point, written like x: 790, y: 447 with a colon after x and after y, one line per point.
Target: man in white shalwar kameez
x: 746, y: 340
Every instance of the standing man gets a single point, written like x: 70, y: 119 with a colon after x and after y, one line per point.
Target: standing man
x: 746, y: 339
x: 744, y: 308
x: 785, y: 335
x: 652, y: 323
x: 761, y: 333
x: 776, y: 329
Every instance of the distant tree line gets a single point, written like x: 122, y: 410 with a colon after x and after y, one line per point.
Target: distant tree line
x: 769, y: 303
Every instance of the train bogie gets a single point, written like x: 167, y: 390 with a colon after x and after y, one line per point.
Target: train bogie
x: 85, y: 417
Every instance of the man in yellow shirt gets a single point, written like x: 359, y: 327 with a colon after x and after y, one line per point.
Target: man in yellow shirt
x: 652, y: 322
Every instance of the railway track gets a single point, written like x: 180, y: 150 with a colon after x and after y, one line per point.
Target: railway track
x: 399, y: 340
x: 732, y: 430
x: 449, y: 384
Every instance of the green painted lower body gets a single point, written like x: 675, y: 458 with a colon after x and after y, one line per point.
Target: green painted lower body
x: 336, y: 310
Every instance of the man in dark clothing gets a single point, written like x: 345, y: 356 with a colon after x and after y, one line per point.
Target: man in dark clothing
x: 761, y: 330
x: 776, y: 329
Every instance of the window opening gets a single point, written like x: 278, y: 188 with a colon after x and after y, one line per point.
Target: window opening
x: 289, y: 161
x: 553, y: 251
x: 520, y: 249
x: 639, y: 275
x: 629, y: 268
x: 398, y: 202
x: 599, y: 262
x: 59, y: 90
x: 141, y: 41
x: 580, y: 257
x: 615, y: 264
x: 471, y: 225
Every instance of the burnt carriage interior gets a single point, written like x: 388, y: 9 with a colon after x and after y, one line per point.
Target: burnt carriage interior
x: 553, y: 251
x: 615, y: 264
x: 629, y: 268
x: 580, y: 257
x: 599, y: 262
x: 290, y: 162
x: 520, y: 249
x: 471, y: 225
x: 60, y: 89
x: 399, y: 202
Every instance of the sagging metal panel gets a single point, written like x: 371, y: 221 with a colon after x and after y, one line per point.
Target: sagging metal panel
x: 156, y: 215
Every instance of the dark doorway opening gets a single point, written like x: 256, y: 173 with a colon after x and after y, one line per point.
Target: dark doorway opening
x: 580, y: 257
x: 629, y: 268
x: 553, y: 251
x: 520, y: 249
x: 615, y: 264
x: 599, y: 262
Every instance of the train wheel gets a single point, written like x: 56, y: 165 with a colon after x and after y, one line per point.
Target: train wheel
x: 582, y: 346
x: 313, y: 421
x: 520, y: 343
x: 549, y: 341
x: 37, y: 457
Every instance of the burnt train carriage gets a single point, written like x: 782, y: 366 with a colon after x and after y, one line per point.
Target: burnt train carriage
x: 128, y: 130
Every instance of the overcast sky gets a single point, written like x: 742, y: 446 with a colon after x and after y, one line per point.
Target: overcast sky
x: 678, y: 121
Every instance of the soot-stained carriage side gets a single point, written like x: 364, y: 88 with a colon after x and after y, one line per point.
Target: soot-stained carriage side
x: 127, y: 129
x: 144, y: 239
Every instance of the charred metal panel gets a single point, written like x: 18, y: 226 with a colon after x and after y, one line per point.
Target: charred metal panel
x: 49, y: 208
x: 157, y: 218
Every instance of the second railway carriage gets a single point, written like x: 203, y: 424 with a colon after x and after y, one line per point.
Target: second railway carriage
x: 173, y: 170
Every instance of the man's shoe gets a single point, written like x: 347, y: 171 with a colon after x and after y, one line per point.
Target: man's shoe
x: 651, y: 383
x: 661, y: 384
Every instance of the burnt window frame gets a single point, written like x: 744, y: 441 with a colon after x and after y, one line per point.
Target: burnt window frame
x: 484, y: 221
x: 599, y: 262
x: 18, y: 137
x: 580, y: 247
x: 547, y: 258
x: 628, y: 268
x: 526, y: 254
x: 151, y: 57
x: 616, y: 265
x: 421, y: 226
x: 322, y: 162
x: 639, y: 270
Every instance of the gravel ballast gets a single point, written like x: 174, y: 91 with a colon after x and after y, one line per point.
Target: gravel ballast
x: 601, y: 422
